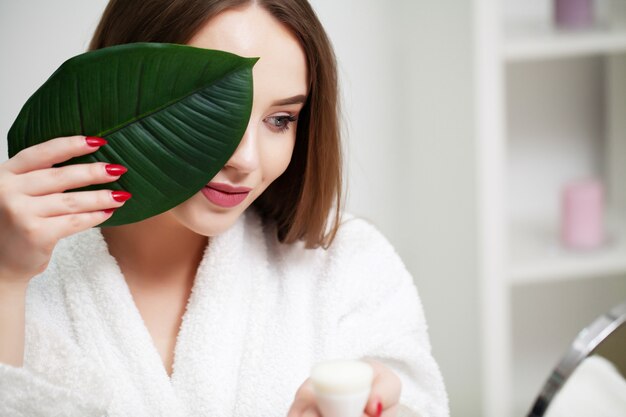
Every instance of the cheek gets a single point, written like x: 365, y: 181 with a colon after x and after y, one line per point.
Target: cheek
x: 275, y: 156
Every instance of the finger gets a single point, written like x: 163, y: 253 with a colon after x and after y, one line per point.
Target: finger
x: 48, y: 153
x: 386, y: 389
x: 55, y: 228
x: 391, y: 411
x: 304, y: 398
x: 374, y: 407
x: 78, y: 202
x: 299, y: 407
x: 311, y: 412
x: 56, y: 180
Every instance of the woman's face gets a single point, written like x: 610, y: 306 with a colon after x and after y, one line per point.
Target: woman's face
x: 280, y: 89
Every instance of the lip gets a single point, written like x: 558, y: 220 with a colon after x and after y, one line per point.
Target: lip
x: 227, y: 188
x: 225, y: 195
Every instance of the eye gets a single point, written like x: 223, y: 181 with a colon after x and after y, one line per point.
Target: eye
x: 280, y: 124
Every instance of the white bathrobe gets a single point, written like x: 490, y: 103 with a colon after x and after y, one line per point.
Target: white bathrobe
x: 259, y: 316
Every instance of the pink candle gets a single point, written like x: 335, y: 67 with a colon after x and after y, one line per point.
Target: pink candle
x: 582, y: 215
x: 573, y: 13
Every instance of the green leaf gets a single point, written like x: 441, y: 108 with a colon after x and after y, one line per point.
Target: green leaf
x: 172, y: 114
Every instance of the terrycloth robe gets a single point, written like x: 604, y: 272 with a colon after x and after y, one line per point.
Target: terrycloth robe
x: 260, y: 314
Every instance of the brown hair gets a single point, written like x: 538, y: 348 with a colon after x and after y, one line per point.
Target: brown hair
x: 301, y: 201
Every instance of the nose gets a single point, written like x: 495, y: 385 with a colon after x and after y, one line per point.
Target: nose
x: 246, y: 156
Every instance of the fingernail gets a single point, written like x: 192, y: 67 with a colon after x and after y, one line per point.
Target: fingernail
x: 109, y: 210
x: 120, y: 196
x: 115, y: 170
x: 95, y: 141
x: 379, y: 409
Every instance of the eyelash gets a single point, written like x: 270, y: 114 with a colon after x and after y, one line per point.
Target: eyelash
x: 281, y: 119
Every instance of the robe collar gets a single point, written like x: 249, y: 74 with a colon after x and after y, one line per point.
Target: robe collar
x: 211, y: 344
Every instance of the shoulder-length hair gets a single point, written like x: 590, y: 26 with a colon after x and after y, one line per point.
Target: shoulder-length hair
x: 308, y: 195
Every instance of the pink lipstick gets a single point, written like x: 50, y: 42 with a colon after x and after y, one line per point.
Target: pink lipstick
x: 225, y: 195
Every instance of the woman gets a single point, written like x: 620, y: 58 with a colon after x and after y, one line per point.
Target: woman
x: 221, y: 305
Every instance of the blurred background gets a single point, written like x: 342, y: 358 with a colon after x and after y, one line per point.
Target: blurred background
x: 485, y: 138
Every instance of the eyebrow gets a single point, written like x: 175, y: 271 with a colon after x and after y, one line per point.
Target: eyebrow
x: 291, y: 100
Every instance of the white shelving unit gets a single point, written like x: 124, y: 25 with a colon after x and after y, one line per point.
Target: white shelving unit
x: 537, y: 256
x: 551, y: 108
x: 528, y: 40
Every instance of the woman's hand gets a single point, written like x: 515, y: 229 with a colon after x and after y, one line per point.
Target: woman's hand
x: 35, y: 212
x: 382, y: 402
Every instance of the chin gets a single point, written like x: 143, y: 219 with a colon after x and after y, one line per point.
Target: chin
x: 209, y: 223
x: 206, y: 221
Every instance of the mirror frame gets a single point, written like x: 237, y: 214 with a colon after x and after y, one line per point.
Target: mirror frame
x: 586, y: 342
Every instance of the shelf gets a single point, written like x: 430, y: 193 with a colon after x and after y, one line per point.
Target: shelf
x: 526, y: 41
x: 538, y: 256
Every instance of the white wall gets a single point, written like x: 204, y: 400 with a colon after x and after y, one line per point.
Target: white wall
x: 36, y: 37
x: 405, y: 69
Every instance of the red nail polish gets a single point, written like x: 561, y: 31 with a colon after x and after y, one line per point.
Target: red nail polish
x: 120, y: 196
x: 109, y: 210
x: 95, y: 141
x: 379, y: 409
x: 115, y: 170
